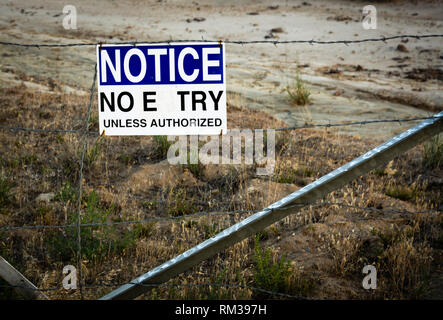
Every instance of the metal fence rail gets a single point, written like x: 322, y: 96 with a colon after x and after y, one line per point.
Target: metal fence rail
x: 208, y: 214
x: 280, y: 209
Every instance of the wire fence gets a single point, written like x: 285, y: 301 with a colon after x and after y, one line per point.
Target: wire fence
x: 237, y: 42
x: 169, y: 285
x: 307, y: 126
x: 84, y: 131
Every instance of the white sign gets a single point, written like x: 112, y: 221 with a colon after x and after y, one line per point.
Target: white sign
x: 162, y: 89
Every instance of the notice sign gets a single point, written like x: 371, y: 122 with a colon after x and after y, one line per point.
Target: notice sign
x: 162, y: 89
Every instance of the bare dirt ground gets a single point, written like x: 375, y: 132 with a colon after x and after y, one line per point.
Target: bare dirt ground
x: 326, y: 247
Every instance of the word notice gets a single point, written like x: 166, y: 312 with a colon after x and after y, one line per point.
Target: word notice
x: 162, y: 89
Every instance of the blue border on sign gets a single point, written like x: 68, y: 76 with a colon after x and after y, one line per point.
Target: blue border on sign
x: 189, y: 64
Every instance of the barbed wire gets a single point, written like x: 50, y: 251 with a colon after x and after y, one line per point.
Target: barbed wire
x: 306, y: 126
x: 38, y: 130
x: 236, y: 42
x: 147, y: 220
x: 217, y: 213
x: 364, y: 122
x: 159, y: 285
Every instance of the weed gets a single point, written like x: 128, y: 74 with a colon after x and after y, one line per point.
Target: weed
x: 195, y: 168
x: 143, y: 230
x: 403, y: 264
x: 128, y: 159
x: 149, y: 205
x: 433, y: 153
x: 270, y: 273
x: 298, y: 93
x: 93, y: 152
x: 67, y: 193
x: 161, y: 145
x: 379, y: 172
x: 287, y: 174
x: 402, y: 192
x: 262, y: 235
x: 93, y: 122
x: 28, y: 159
x: 345, y: 254
x: 394, y: 236
x: 210, y: 230
x: 180, y: 205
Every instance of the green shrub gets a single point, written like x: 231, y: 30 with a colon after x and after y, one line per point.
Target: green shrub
x: 269, y: 273
x: 401, y: 192
x: 298, y: 93
x: 67, y: 193
x: 93, y: 152
x: 97, y: 241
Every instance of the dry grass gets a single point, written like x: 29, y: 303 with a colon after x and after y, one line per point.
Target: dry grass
x: 126, y: 178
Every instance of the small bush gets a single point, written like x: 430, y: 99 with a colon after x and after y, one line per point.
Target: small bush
x: 298, y: 93
x: 97, y: 241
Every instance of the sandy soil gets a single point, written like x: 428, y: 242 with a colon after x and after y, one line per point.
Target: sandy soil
x: 355, y: 82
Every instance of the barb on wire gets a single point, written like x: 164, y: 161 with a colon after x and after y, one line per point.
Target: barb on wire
x: 240, y: 42
x: 39, y: 130
x: 215, y: 213
x: 307, y: 126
